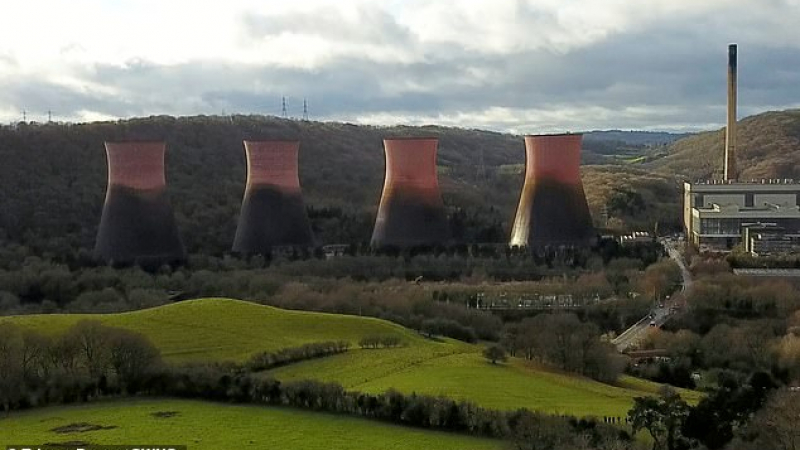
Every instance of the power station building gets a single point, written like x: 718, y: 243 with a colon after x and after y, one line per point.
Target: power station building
x: 411, y: 211
x: 137, y: 224
x: 552, y: 208
x: 718, y: 213
x: 273, y: 213
x: 769, y: 240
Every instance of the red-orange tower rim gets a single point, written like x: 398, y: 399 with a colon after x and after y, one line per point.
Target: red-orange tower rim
x: 552, y: 135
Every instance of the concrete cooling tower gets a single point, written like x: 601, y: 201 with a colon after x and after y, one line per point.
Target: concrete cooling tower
x: 411, y: 212
x: 137, y: 225
x: 273, y: 213
x: 552, y: 209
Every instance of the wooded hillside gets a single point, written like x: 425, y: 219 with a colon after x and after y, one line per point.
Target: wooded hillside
x: 53, y: 176
x: 768, y: 147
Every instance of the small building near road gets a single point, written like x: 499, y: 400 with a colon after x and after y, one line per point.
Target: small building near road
x: 636, y: 237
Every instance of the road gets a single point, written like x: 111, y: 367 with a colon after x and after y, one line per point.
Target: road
x: 678, y: 258
x: 661, y: 314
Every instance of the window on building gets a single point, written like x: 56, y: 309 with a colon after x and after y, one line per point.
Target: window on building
x: 720, y: 226
x: 748, y: 200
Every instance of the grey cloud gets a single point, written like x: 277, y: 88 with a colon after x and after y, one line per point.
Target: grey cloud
x: 669, y: 75
x: 37, y: 96
x: 375, y: 25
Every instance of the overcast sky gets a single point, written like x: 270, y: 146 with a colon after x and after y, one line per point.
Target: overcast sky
x: 523, y: 66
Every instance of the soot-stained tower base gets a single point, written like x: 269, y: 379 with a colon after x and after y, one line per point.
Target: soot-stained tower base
x: 411, y: 212
x: 552, y: 208
x: 273, y: 213
x: 138, y: 224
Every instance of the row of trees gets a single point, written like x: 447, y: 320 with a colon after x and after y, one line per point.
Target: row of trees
x: 526, y: 429
x: 36, y: 368
x: 36, y: 279
x: 35, y: 285
x: 746, y: 260
x: 284, y: 356
x: 562, y: 340
x: 381, y: 340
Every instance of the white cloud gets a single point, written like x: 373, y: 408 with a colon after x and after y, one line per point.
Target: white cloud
x: 505, y: 64
x: 552, y: 119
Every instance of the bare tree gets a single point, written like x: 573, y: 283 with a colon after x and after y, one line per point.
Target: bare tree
x: 34, y: 353
x: 91, y: 337
x: 64, y: 353
x: 11, y: 373
x: 131, y: 354
x: 778, y: 423
x: 564, y: 341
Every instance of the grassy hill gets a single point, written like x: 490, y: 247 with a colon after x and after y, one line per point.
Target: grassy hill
x: 214, y: 426
x: 219, y: 329
x: 468, y: 376
x: 224, y: 329
x: 768, y: 147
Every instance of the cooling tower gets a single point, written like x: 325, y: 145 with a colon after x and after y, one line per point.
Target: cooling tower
x: 137, y: 225
x: 411, y: 212
x: 552, y: 209
x: 273, y: 213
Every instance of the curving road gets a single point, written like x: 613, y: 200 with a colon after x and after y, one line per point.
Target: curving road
x: 678, y: 258
x: 661, y: 314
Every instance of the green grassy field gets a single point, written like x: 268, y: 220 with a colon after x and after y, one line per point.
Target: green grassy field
x: 469, y: 376
x: 214, y: 426
x: 220, y: 329
x: 224, y: 329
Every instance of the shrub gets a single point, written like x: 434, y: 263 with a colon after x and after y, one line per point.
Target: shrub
x: 270, y: 360
x: 380, y: 340
x: 448, y: 328
x: 495, y: 353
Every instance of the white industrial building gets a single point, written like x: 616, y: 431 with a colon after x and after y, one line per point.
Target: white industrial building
x: 717, y: 212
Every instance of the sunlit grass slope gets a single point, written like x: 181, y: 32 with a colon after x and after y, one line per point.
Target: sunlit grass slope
x: 215, y: 426
x: 469, y: 376
x: 224, y: 329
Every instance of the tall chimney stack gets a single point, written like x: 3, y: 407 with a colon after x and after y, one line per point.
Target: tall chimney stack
x: 730, y: 129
